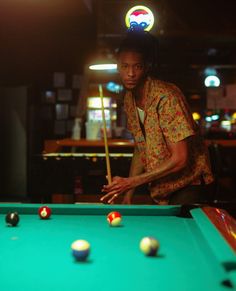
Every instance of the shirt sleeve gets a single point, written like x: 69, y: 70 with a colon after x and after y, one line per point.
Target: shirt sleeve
x: 175, y: 117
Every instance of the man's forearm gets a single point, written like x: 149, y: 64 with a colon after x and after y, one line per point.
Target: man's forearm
x: 176, y: 162
x: 136, y: 168
x: 167, y: 168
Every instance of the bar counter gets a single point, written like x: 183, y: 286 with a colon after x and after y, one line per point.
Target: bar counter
x: 64, y: 161
x: 55, y: 146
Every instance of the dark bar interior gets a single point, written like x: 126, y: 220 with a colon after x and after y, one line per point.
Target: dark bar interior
x: 52, y: 148
x: 117, y: 145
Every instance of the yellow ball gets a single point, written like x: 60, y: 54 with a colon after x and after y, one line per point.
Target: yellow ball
x: 149, y: 246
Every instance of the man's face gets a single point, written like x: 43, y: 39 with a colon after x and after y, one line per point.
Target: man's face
x: 131, y: 68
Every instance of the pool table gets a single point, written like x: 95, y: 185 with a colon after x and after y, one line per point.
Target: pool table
x: 197, y: 249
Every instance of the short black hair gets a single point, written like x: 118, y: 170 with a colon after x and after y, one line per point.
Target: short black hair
x: 141, y: 42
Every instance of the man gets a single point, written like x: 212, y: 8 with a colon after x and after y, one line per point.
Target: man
x: 169, y: 153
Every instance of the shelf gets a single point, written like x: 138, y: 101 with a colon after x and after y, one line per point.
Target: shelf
x: 55, y: 146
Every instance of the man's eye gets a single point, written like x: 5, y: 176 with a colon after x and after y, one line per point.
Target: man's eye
x: 139, y: 67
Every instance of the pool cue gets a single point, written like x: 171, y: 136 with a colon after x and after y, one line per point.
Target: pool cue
x: 105, y: 136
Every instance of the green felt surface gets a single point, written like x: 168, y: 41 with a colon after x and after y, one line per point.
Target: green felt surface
x: 36, y: 255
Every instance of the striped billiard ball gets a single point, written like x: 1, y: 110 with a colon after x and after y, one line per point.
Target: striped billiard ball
x: 149, y: 246
x: 80, y: 249
x: 114, y: 218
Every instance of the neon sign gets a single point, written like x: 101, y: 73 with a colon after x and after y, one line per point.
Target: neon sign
x: 139, y: 18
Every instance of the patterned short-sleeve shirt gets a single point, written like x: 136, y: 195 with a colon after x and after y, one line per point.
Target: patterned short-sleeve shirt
x: 167, y: 119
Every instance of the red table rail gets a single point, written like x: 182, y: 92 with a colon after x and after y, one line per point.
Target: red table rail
x: 224, y: 222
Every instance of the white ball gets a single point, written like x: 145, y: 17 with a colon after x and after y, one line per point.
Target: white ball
x: 149, y: 246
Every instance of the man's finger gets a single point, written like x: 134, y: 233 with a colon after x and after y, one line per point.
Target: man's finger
x: 108, y: 195
x: 113, y: 198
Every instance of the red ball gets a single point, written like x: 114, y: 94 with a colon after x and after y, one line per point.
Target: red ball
x: 114, y: 218
x: 44, y: 212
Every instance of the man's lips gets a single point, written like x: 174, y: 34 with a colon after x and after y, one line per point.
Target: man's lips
x: 129, y: 82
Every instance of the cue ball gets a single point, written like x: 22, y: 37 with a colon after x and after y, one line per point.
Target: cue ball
x: 44, y: 212
x: 114, y: 218
x: 12, y: 218
x: 80, y: 249
x: 149, y: 246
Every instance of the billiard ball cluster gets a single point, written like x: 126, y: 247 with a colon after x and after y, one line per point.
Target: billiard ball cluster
x: 13, y: 218
x: 81, y: 248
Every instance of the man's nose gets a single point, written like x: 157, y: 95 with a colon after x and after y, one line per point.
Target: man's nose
x: 131, y: 72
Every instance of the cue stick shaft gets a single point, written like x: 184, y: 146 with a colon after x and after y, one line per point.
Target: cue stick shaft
x: 105, y: 136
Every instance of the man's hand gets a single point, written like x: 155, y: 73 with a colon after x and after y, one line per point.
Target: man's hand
x: 114, y: 190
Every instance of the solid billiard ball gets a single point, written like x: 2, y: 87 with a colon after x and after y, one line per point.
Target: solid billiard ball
x: 12, y: 218
x: 149, y: 246
x: 80, y: 249
x: 114, y: 218
x: 44, y: 212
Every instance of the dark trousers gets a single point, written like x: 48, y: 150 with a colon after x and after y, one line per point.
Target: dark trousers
x: 193, y: 194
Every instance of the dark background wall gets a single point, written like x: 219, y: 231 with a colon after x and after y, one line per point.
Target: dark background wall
x: 38, y: 38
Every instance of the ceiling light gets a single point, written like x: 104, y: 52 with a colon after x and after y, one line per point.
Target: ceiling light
x: 103, y: 67
x: 212, y: 81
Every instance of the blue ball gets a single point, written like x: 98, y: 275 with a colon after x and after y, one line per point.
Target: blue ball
x: 80, y: 250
